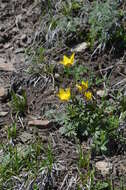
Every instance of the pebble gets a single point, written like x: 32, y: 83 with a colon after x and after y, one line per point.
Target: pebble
x: 2, y: 92
x: 7, y: 67
x: 19, y: 50
x: 104, y: 167
x: 3, y: 113
x: 43, y: 124
x: 8, y: 45
x: 24, y: 38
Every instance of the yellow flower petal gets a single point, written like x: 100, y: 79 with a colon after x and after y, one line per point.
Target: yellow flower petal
x: 72, y: 58
x: 61, y: 91
x: 64, y: 95
x: 88, y: 95
x: 84, y: 85
x: 79, y: 87
x: 68, y: 61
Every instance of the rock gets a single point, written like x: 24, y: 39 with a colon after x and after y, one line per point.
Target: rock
x: 101, y: 93
x: 6, y: 66
x: 3, y: 113
x: 43, y: 124
x: 25, y: 137
x: 19, y: 50
x: 2, y: 92
x: 104, y: 167
x: 24, y: 38
x: 57, y: 76
x: 8, y: 45
x: 80, y: 47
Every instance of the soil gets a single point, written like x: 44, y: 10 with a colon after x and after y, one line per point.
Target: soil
x: 19, y: 21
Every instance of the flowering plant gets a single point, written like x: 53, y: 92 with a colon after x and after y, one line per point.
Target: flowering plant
x: 64, y: 95
x: 83, y: 116
x: 68, y: 61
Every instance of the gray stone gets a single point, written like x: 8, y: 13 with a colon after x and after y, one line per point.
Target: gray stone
x: 104, y: 167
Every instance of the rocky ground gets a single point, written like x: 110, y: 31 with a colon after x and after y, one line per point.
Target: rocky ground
x: 19, y: 25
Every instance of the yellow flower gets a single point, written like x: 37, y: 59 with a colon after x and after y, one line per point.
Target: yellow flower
x: 79, y: 87
x: 84, y: 85
x: 68, y: 61
x: 88, y: 95
x: 64, y: 95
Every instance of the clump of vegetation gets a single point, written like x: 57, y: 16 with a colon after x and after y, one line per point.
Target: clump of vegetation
x: 18, y: 102
x: 63, y: 22
x: 69, y: 22
x: 88, y: 179
x: 18, y: 159
x: 85, y: 116
x: 91, y: 120
x: 12, y: 131
x: 105, y: 22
